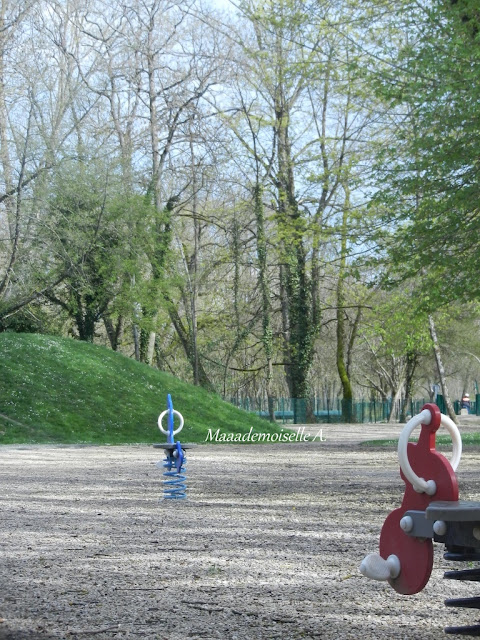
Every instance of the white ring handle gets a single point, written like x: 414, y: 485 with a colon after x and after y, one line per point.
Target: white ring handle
x: 163, y: 414
x: 420, y: 484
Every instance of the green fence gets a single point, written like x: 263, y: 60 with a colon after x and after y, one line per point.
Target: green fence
x: 474, y: 405
x: 314, y: 410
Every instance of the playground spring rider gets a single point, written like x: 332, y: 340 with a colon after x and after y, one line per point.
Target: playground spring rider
x: 430, y: 510
x: 174, y: 463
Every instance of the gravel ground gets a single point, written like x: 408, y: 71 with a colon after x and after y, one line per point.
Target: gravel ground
x: 267, y: 546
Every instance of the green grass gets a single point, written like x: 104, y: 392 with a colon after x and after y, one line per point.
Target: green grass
x: 57, y: 390
x: 380, y: 443
x: 468, y: 439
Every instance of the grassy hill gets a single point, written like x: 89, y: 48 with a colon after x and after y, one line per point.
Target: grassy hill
x: 57, y: 390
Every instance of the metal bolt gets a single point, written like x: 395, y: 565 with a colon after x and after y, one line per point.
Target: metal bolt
x: 406, y: 523
x: 440, y: 527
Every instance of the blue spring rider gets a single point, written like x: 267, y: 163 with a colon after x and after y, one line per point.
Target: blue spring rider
x: 174, y: 462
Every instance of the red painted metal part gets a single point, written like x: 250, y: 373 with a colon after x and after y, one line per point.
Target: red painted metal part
x: 416, y: 555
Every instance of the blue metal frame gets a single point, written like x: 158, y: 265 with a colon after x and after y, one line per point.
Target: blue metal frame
x: 174, y: 463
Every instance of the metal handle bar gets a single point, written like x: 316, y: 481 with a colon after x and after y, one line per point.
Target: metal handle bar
x: 163, y: 414
x: 420, y: 484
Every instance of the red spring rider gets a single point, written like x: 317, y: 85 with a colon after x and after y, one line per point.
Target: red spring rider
x: 430, y: 511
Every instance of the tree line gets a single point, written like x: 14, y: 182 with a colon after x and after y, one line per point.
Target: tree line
x: 275, y: 199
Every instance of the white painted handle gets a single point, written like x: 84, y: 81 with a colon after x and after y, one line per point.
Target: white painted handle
x: 420, y: 484
x: 162, y: 415
x: 452, y: 429
x: 377, y: 568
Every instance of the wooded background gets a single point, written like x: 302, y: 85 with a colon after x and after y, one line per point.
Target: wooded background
x: 268, y: 199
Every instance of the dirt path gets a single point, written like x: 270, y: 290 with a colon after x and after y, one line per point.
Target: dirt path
x: 266, y: 547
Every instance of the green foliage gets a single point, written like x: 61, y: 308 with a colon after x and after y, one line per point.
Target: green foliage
x: 430, y: 168
x: 398, y: 324
x: 468, y: 439
x: 99, y: 238
x: 66, y: 391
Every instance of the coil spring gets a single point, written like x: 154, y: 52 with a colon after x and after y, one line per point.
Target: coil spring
x: 174, y: 483
x: 463, y: 554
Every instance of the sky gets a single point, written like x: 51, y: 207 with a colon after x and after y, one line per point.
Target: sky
x: 222, y: 4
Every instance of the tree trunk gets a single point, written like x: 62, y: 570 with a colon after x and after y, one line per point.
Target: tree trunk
x: 150, y: 350
x: 395, y: 400
x: 4, y: 151
x: 85, y: 322
x: 186, y: 340
x: 441, y: 370
x: 347, y: 402
x: 412, y: 361
x: 136, y: 341
x: 147, y: 342
x: 267, y: 335
x: 193, y: 263
x: 296, y: 287
x: 114, y: 332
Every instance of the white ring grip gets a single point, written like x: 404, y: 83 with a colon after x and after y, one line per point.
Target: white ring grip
x: 163, y: 414
x: 420, y: 484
